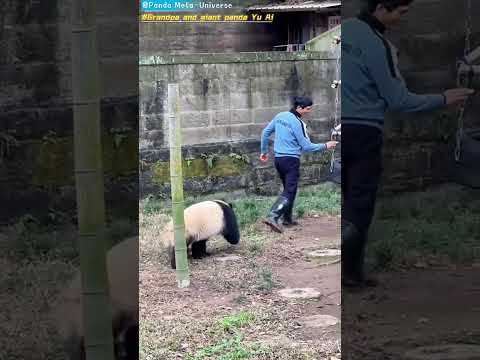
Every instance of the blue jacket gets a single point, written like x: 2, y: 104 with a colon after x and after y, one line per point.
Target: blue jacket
x: 291, y: 136
x: 373, y: 83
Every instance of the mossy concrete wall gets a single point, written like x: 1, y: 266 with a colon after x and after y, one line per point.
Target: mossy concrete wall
x: 226, y: 101
x: 223, y: 167
x: 419, y: 146
x: 36, y: 102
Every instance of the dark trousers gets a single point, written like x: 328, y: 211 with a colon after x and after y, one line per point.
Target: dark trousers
x: 288, y: 168
x: 361, y: 171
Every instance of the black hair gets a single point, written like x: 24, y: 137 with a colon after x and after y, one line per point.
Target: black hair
x: 390, y: 5
x: 302, y: 101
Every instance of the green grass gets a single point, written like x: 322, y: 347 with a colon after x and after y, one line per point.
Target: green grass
x: 442, y: 223
x: 236, y: 321
x: 320, y: 199
x: 225, y: 339
x: 28, y: 239
x: 229, y: 349
x: 151, y: 205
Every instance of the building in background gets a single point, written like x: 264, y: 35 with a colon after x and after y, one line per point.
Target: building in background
x: 297, y: 22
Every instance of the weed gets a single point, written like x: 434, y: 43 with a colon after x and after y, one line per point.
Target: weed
x: 266, y: 281
x: 236, y: 321
x: 228, y: 349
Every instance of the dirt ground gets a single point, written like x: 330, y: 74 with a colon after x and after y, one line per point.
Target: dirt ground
x: 415, y: 308
x: 176, y: 322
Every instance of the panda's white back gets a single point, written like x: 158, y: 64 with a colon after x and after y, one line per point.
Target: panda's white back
x: 122, y: 262
x: 204, y: 220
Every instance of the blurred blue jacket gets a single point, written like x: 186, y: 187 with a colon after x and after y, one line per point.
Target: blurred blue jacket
x: 371, y: 81
x: 291, y: 138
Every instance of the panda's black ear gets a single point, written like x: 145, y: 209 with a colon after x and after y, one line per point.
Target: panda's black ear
x: 230, y: 204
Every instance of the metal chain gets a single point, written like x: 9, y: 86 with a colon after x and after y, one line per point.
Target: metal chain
x: 467, y: 49
x: 468, y: 28
x: 336, y: 85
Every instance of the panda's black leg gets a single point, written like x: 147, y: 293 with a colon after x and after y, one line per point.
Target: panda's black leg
x: 171, y: 253
x: 199, y: 249
x: 204, y: 249
x: 131, y: 343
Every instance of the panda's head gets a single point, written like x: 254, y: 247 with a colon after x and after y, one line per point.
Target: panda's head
x: 230, y: 230
x: 223, y: 201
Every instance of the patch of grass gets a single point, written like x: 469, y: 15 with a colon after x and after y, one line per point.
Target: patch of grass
x: 266, y: 282
x: 29, y: 239
x: 439, y: 223
x: 120, y: 229
x: 322, y: 199
x: 226, y: 340
x: 232, y: 322
x: 249, y: 211
x: 152, y: 205
x: 255, y: 244
x: 200, y: 334
x: 228, y: 349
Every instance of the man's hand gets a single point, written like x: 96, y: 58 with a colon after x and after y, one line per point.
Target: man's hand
x: 455, y: 96
x: 331, y: 144
x: 263, y: 157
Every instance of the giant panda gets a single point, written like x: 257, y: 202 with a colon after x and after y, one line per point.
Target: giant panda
x: 202, y: 221
x: 122, y: 267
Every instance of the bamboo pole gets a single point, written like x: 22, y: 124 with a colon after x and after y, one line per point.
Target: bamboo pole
x: 98, y: 339
x: 176, y: 180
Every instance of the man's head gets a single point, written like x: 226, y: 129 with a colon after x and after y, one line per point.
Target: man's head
x: 302, y: 105
x: 388, y: 12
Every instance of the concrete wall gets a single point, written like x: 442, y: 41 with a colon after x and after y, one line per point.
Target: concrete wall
x: 36, y: 99
x: 235, y: 169
x: 226, y: 101
x: 419, y: 147
x: 230, y: 97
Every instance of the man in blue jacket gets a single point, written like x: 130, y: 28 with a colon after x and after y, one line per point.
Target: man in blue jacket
x: 291, y: 139
x: 371, y: 85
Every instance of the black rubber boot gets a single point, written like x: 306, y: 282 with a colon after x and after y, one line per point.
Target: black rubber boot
x: 350, y: 240
x: 277, y: 210
x: 353, y: 257
x: 287, y: 217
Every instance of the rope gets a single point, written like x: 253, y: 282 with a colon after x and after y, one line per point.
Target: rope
x: 466, y: 52
x: 335, y: 85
